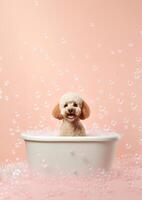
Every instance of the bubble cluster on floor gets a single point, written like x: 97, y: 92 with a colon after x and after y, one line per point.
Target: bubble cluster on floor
x: 124, y: 180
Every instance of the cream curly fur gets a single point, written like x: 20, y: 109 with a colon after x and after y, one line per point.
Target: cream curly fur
x: 70, y: 109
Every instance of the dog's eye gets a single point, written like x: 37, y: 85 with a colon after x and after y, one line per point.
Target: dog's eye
x: 75, y: 104
x: 65, y: 105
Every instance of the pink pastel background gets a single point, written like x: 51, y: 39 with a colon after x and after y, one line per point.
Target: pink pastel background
x: 49, y: 47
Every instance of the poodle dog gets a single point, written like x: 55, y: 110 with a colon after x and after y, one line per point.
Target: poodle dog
x: 70, y: 109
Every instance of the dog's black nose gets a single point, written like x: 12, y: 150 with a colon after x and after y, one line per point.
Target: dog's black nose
x: 71, y: 110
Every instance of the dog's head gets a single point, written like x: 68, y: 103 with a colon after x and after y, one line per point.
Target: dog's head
x: 71, y: 107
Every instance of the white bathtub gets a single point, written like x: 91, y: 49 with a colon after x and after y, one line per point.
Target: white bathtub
x: 72, y: 155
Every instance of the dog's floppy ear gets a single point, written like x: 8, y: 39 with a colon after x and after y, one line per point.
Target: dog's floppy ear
x: 56, y: 112
x: 85, y: 111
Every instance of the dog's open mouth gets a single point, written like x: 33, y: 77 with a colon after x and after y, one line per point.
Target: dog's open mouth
x: 71, y: 116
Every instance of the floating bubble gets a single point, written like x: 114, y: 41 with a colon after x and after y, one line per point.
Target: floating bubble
x: 130, y: 83
x: 120, y: 110
x: 113, y: 123
x: 36, y: 107
x: 128, y: 146
x: 112, y: 52
x: 122, y: 93
x: 17, y: 114
x: 111, y: 82
x: 137, y: 76
x: 17, y: 95
x: 101, y: 91
x: 12, y: 133
x: 133, y: 106
x: 130, y: 44
x: 126, y: 127
x: 138, y: 59
x: 133, y: 125
x: 17, y: 158
x: 16, y: 172
x: 110, y: 96
x: 21, y: 58
x: 45, y: 35
x: 37, y: 95
x: 122, y: 65
x: 99, y: 45
x: 76, y: 78
x: 95, y: 68
x: 14, y: 121
x: 119, y: 51
x: 133, y: 95
x: 140, y: 128
x: 35, y: 49
x: 86, y: 56
x: 36, y: 3
x: 25, y: 43
x: 63, y: 40
x: 72, y: 56
x: 13, y: 152
x: 6, y: 83
x: 6, y: 98
x: 120, y: 101
x: 125, y: 120
x: 46, y: 57
x: 92, y: 24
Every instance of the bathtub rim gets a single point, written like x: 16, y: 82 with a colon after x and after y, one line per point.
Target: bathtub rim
x: 88, y: 138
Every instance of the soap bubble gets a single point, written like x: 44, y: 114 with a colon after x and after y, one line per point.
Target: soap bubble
x: 36, y: 3
x: 130, y: 83
x: 16, y: 172
x: 92, y: 24
x: 36, y: 107
x: 133, y: 125
x: 119, y: 51
x: 120, y: 101
x: 120, y: 110
x: 76, y: 78
x: 17, y: 114
x: 133, y: 106
x: 125, y: 126
x: 63, y: 40
x: 140, y: 32
x: 99, y: 45
x: 95, y: 68
x: 72, y: 56
x: 130, y: 44
x: 113, y: 123
x: 21, y: 58
x: 6, y: 98
x: 12, y: 133
x: 37, y: 95
x: 125, y: 120
x: 112, y: 52
x: 110, y: 96
x: 111, y: 82
x: 122, y: 65
x: 133, y: 95
x: 138, y: 59
x: 128, y: 146
x: 6, y: 83
x: 44, y: 35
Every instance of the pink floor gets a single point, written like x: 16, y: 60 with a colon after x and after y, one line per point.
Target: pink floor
x: 123, y: 181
